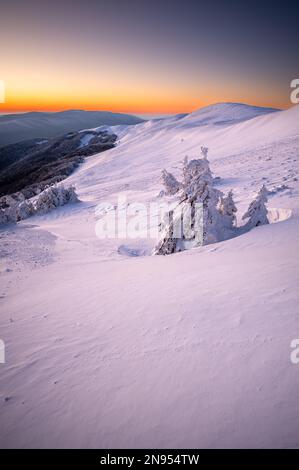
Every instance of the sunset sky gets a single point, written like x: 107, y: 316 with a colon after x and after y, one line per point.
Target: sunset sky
x: 146, y: 56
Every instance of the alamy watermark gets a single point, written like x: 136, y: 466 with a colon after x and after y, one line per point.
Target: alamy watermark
x: 139, y: 220
x: 2, y: 352
x: 2, y: 91
x: 294, y: 96
x: 295, y: 351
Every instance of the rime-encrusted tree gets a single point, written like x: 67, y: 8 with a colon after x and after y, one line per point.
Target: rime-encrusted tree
x: 228, y: 209
x: 217, y: 216
x: 25, y: 209
x: 10, y: 213
x: 54, y: 196
x: 3, y: 216
x: 257, y: 210
x: 213, y: 221
x: 46, y: 201
x: 168, y: 243
x: 170, y: 183
x: 16, y: 211
x: 195, y: 173
x: 196, y: 191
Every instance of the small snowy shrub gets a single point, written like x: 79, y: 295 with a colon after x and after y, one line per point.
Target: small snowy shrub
x: 204, y: 152
x: 257, y: 210
x: 228, y: 209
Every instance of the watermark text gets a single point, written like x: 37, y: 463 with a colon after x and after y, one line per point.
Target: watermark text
x: 294, y: 96
x: 295, y: 351
x: 2, y: 352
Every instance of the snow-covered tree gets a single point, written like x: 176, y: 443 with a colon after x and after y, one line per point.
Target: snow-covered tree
x: 3, y: 216
x: 198, y: 198
x: 12, y: 210
x: 257, y: 210
x: 24, y: 210
x: 228, y: 209
x: 195, y: 173
x: 53, y: 197
x: 170, y: 183
x: 168, y: 242
x: 9, y: 214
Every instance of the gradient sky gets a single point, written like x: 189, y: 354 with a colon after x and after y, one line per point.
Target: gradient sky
x: 146, y: 56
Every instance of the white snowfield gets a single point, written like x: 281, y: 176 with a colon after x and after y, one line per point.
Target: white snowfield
x: 108, y: 350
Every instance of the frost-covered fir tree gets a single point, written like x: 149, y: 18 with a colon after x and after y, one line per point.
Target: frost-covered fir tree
x: 170, y: 183
x: 53, y: 197
x: 257, y: 210
x: 228, y: 209
x: 198, y: 199
x: 195, y: 173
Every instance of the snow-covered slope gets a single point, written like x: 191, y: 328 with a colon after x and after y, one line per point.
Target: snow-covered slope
x: 144, y: 150
x: 190, y: 350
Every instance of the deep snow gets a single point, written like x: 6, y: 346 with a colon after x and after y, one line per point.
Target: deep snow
x: 105, y: 348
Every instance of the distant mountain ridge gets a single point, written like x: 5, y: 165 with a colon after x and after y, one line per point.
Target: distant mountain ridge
x: 17, y: 127
x: 31, y: 165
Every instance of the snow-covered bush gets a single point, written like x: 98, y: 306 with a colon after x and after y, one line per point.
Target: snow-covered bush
x: 10, y: 213
x: 257, y: 210
x: 53, y: 197
x: 11, y: 210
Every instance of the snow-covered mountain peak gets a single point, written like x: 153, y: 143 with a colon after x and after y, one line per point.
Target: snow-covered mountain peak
x: 225, y: 113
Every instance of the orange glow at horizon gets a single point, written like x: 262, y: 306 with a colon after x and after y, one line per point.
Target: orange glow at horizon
x: 132, y: 102
x: 96, y: 56
x: 119, y: 83
x: 45, y: 84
